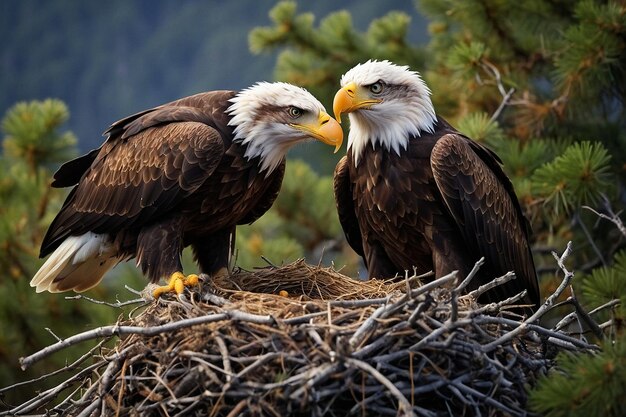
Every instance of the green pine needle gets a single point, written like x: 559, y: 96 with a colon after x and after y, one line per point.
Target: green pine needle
x: 585, y: 386
x: 31, y: 133
x: 465, y: 58
x: 607, y: 283
x: 481, y: 128
x: 578, y: 177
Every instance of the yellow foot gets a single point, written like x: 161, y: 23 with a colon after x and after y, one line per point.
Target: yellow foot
x: 178, y: 282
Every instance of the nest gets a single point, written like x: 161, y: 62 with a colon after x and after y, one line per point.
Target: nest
x: 302, y: 340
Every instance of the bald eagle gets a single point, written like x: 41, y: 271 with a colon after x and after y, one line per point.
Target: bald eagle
x: 413, y: 192
x: 184, y: 173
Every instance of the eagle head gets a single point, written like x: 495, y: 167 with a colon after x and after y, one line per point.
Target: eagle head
x: 270, y: 118
x: 387, y: 105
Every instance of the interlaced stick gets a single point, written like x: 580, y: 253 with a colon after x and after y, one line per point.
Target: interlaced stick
x: 117, y: 330
x: 550, y: 301
x: 335, y: 346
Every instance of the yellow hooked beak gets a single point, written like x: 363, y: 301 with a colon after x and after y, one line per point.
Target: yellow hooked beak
x: 326, y: 130
x: 351, y: 98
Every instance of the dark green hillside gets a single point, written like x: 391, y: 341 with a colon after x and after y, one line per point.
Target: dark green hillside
x: 107, y: 60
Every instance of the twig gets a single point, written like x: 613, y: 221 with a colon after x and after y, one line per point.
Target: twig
x: 320, y: 374
x: 524, y: 326
x: 471, y: 275
x: 612, y: 216
x: 260, y: 361
x: 491, y: 284
x: 543, y: 308
x: 119, y: 304
x: 505, y: 101
x: 91, y: 408
x: 492, y: 70
x: 404, y: 407
x: 480, y: 396
x: 459, y: 288
x: 45, y: 396
x: 448, y: 327
x: 565, y: 321
x: 116, y: 330
x: 495, y: 307
x: 67, y: 368
x: 270, y: 263
x: 367, y: 327
x: 370, y: 324
x: 439, y: 282
x: 595, y: 248
x: 225, y: 360
x: 105, y: 381
x: 215, y: 299
x: 52, y: 333
x: 359, y: 303
x: 412, y: 358
x: 238, y: 409
x: 586, y: 318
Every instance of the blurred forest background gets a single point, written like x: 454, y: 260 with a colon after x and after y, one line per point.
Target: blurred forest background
x: 543, y: 83
x: 106, y: 61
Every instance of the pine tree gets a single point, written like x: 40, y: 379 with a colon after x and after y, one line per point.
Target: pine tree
x: 33, y: 143
x: 544, y: 85
x: 314, y: 57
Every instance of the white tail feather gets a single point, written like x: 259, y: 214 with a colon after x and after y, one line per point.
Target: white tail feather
x: 78, y: 264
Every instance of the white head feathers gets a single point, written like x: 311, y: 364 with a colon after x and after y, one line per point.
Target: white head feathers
x: 259, y: 114
x: 405, y: 110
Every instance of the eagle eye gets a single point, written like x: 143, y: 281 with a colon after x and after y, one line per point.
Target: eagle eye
x: 377, y: 87
x: 295, y: 112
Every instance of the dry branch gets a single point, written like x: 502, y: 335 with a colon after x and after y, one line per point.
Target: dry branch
x: 334, y: 347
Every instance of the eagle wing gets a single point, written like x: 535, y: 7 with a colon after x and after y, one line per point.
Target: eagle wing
x: 345, y: 206
x: 481, y: 200
x: 266, y: 198
x: 150, y: 162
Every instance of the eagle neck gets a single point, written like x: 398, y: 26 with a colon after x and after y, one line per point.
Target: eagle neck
x: 263, y: 143
x: 376, y: 129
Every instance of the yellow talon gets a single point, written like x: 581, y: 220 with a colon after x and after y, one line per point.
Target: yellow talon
x: 192, y: 279
x: 177, y: 283
x: 179, y: 286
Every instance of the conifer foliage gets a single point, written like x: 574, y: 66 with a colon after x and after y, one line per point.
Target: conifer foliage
x: 541, y: 83
x: 544, y: 85
x: 32, y: 136
x: 33, y: 142
x: 313, y: 57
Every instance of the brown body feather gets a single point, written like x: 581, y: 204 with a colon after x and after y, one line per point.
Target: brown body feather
x: 166, y: 178
x: 440, y: 205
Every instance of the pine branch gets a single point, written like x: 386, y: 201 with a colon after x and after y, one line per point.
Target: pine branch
x: 493, y: 71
